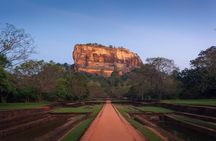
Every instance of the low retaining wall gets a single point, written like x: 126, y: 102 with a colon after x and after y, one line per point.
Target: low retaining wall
x: 195, y: 127
x: 200, y: 110
x: 54, y: 134
x: 57, y: 133
x: 163, y: 133
x: 10, y: 114
x: 24, y: 126
x: 81, y: 103
x: 20, y: 120
x: 201, y: 117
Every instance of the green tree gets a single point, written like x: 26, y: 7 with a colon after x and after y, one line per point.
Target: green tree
x: 166, y: 67
x: 61, y: 89
x: 6, y: 85
x: 206, y: 59
x: 200, y: 80
x: 77, y: 86
x: 3, y: 61
x: 163, y: 65
x: 26, y: 94
x: 38, y: 75
x: 149, y: 83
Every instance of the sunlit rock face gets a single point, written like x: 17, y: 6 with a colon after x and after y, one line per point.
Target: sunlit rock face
x: 102, y: 60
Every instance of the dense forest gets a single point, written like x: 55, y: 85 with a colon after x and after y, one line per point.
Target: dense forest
x: 23, y: 79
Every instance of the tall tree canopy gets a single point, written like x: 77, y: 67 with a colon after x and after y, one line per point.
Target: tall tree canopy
x: 200, y: 80
x: 206, y: 59
x: 164, y: 65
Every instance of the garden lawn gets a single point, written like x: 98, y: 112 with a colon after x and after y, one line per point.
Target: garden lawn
x: 11, y: 106
x: 154, y: 109
x: 76, y: 133
x: 143, y: 129
x: 210, y: 102
x: 82, y: 109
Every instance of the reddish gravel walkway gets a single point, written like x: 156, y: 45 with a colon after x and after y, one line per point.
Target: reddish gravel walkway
x: 111, y: 126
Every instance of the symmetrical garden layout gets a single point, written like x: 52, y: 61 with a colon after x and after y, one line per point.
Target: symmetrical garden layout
x: 109, y: 121
x: 110, y: 125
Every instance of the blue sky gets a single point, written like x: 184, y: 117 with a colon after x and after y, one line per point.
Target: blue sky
x: 175, y: 29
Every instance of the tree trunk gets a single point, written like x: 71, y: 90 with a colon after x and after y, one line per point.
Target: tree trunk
x: 3, y: 99
x: 39, y: 97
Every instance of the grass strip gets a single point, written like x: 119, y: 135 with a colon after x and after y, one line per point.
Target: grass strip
x: 210, y: 102
x: 82, y: 109
x: 154, y: 109
x: 11, y: 106
x: 77, y: 132
x: 151, y: 136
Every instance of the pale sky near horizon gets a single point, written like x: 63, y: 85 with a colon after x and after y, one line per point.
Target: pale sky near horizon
x: 175, y: 29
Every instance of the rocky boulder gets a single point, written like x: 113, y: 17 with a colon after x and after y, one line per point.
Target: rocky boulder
x: 102, y: 60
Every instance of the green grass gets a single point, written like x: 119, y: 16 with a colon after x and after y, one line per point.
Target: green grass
x: 10, y: 106
x: 211, y: 102
x: 154, y: 109
x: 77, y: 132
x: 143, y: 129
x: 82, y: 109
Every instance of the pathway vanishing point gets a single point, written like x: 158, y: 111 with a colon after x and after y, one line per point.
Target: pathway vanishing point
x: 109, y: 125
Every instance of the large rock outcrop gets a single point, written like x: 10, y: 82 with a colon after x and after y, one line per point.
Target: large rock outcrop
x: 102, y: 60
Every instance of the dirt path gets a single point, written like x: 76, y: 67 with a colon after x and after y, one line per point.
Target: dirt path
x: 109, y: 125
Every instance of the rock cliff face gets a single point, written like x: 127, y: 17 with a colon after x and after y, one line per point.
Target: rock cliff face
x: 102, y: 60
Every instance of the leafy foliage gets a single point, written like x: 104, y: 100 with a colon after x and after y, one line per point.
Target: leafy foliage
x: 200, y: 80
x: 152, y: 84
x: 37, y: 80
x: 6, y: 86
x: 163, y: 65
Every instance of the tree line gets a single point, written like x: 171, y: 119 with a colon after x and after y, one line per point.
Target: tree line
x: 23, y: 79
